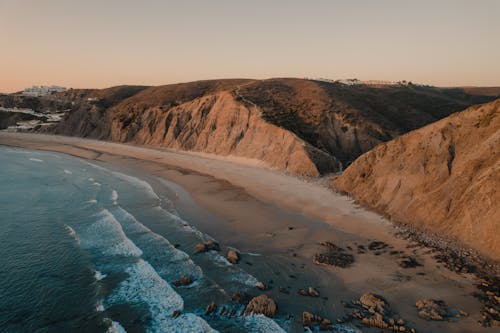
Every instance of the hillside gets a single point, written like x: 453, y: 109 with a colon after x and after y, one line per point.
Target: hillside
x: 300, y: 126
x: 443, y: 178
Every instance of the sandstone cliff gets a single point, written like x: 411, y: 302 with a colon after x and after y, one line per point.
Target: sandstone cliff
x: 300, y: 126
x: 443, y: 178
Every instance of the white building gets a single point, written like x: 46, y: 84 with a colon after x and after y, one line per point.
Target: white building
x: 37, y: 91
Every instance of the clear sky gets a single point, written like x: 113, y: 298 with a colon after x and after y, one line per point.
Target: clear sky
x: 100, y: 43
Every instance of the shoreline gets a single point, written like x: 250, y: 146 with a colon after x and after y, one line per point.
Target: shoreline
x: 254, y: 208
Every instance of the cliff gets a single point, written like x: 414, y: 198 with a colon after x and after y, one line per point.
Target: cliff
x: 300, y: 126
x: 443, y: 178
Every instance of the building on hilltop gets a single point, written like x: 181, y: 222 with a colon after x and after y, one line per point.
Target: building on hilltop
x: 37, y: 91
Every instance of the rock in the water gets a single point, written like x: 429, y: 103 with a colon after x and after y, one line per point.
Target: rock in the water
x: 212, y: 307
x: 262, y: 305
x: 207, y: 246
x: 183, y: 281
x: 431, y: 309
x: 307, y: 318
x: 310, y: 319
x: 200, y: 248
x: 302, y: 292
x: 313, y: 292
x: 261, y: 286
x: 237, y: 297
x: 233, y: 257
x: 212, y: 245
x: 176, y: 314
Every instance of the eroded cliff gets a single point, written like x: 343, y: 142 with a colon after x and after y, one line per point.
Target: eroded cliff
x: 443, y: 178
x: 304, y: 127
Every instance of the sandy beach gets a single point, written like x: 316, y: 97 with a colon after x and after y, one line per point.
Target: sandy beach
x: 248, y: 206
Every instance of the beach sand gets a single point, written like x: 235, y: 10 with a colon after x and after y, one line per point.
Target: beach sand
x: 246, y: 205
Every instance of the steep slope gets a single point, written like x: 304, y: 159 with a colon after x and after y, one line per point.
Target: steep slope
x: 300, y: 126
x: 443, y: 178
x: 347, y: 121
x: 200, y: 116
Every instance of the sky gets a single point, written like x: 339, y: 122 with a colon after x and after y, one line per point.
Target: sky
x: 101, y: 43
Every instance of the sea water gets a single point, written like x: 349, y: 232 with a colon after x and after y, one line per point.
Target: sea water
x: 78, y: 254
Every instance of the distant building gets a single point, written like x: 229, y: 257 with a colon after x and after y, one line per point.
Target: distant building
x: 37, y: 91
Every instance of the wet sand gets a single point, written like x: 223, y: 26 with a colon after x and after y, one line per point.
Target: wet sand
x: 245, y: 205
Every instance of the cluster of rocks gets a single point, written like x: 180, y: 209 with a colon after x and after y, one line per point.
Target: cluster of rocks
x: 311, y: 292
x: 311, y: 321
x: 207, y: 246
x: 450, y: 255
x: 373, y: 310
x: 212, y: 309
x: 262, y: 304
x: 490, y: 312
x: 431, y: 309
x: 232, y: 256
x: 461, y: 260
x: 334, y: 256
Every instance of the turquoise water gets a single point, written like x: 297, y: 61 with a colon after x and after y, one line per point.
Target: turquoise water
x: 78, y: 254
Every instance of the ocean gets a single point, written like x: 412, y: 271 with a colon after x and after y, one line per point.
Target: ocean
x: 79, y: 254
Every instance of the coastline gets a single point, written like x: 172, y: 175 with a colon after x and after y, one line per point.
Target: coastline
x: 258, y: 210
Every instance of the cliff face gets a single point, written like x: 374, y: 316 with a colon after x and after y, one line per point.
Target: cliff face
x: 300, y: 126
x: 218, y: 124
x: 443, y: 178
x: 347, y: 121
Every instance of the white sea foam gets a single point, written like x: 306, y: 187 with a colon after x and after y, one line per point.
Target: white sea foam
x: 36, y: 160
x: 99, y: 307
x: 68, y: 172
x: 236, y: 274
x: 99, y: 276
x: 114, y: 197
x: 96, y: 184
x: 93, y: 201
x: 139, y: 183
x: 144, y: 286
x: 262, y: 324
x: 107, y: 235
x: 71, y: 232
x: 98, y: 167
x: 172, y: 258
x: 244, y: 278
x: 115, y: 327
x: 221, y: 261
x: 91, y: 179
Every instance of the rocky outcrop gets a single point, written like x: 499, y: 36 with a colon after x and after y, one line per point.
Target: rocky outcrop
x: 373, y: 310
x: 443, y: 178
x: 11, y: 119
x: 262, y: 305
x: 431, y: 309
x: 220, y: 125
